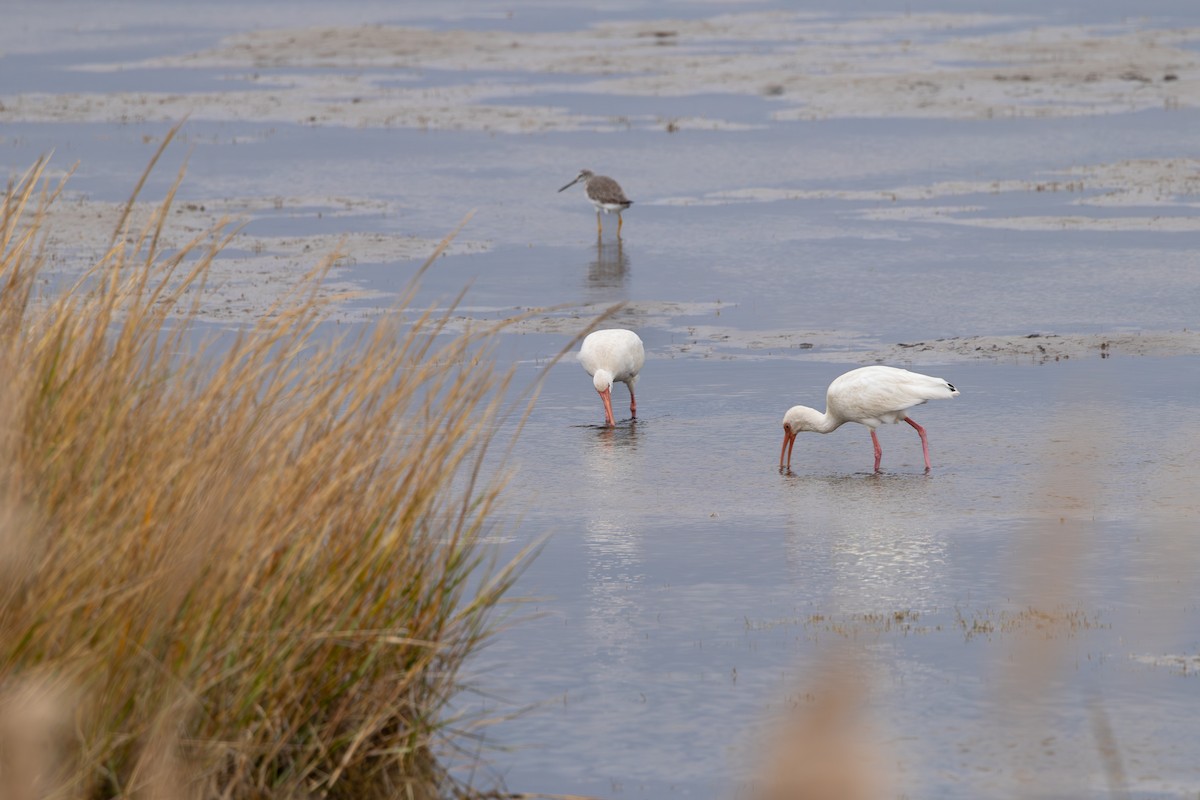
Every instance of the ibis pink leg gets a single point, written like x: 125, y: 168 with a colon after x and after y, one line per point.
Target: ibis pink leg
x: 924, y: 441
x: 632, y: 403
x: 878, y: 449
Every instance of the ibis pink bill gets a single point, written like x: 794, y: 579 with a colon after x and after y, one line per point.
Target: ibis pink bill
x: 869, y: 396
x: 614, y: 355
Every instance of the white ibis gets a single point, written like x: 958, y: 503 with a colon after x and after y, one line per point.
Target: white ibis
x: 609, y: 356
x: 606, y: 195
x: 869, y: 396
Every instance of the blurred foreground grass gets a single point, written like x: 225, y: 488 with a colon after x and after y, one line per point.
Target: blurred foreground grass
x: 244, y: 571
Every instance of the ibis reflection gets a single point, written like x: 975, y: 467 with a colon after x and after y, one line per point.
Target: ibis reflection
x: 873, y: 535
x: 612, y: 540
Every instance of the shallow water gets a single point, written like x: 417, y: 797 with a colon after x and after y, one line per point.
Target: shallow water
x: 688, y: 589
x: 687, y: 592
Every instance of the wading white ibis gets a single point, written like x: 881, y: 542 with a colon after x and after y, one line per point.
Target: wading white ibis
x: 606, y: 195
x: 610, y: 356
x: 869, y: 396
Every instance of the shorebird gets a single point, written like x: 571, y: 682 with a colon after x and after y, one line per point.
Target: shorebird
x: 869, y: 396
x: 610, y: 356
x: 606, y: 195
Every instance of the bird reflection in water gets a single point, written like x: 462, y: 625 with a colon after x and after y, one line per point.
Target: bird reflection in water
x: 618, y: 438
x: 616, y: 596
x: 875, y: 539
x: 610, y: 268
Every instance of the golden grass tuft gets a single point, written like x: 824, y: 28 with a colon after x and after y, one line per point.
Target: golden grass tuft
x: 243, y: 570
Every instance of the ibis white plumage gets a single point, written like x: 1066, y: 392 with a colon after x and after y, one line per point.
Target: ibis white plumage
x: 869, y: 396
x: 614, y: 355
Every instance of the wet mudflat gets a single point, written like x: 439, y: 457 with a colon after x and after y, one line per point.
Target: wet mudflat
x: 1007, y: 201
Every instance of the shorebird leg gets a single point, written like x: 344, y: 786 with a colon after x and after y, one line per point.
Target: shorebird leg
x: 878, y: 449
x: 924, y: 442
x: 632, y: 403
x: 619, y: 222
x: 599, y: 227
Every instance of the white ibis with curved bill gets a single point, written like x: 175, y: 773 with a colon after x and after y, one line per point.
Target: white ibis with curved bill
x: 614, y: 355
x: 869, y: 396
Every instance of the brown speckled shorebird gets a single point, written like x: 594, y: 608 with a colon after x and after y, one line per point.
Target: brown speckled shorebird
x: 605, y: 194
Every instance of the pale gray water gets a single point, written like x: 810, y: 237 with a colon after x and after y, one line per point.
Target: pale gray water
x: 677, y: 594
x: 687, y: 590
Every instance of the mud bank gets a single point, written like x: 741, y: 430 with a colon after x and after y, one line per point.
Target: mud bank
x: 254, y: 271
x: 808, y: 66
x: 705, y: 340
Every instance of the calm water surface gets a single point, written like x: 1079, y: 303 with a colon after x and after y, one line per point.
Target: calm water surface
x: 686, y: 592
x: 688, y: 589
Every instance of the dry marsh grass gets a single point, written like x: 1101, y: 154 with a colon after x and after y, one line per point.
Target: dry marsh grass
x: 245, y: 571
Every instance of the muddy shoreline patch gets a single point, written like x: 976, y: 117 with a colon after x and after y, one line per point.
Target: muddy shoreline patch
x: 253, y: 272
x: 1160, y: 195
x: 693, y: 335
x: 803, y: 66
